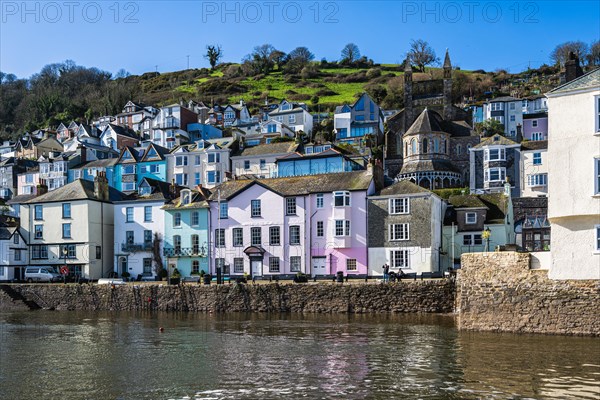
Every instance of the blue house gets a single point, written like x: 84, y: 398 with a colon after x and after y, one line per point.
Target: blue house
x: 137, y: 163
x: 89, y: 170
x: 353, y: 122
x: 153, y: 163
x: 186, y: 240
x: 326, y: 161
x: 198, y: 131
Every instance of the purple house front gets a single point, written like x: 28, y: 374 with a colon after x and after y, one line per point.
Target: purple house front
x: 314, y: 224
x: 535, y: 126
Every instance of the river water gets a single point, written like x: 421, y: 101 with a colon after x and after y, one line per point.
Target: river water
x: 74, y: 355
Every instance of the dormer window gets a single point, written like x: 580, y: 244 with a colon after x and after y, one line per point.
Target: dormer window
x: 186, y: 197
x: 471, y: 218
x: 144, y: 189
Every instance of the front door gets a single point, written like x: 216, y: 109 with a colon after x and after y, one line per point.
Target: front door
x: 319, y: 266
x: 256, y: 267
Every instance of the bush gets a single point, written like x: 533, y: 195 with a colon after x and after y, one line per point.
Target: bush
x: 373, y: 73
x: 176, y: 273
x: 163, y: 273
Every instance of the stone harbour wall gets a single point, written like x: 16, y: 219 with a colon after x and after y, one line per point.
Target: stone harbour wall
x: 499, y: 292
x: 435, y: 296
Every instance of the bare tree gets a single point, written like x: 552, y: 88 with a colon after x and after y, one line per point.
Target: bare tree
x: 421, y: 54
x: 560, y: 54
x: 213, y: 54
x: 262, y: 58
x: 594, y: 55
x: 350, y: 53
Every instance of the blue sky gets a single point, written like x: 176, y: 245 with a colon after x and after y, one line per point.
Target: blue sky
x: 142, y: 36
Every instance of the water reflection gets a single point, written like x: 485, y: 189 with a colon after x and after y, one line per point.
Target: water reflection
x: 72, y: 355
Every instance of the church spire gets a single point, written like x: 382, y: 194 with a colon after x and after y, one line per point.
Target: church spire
x: 447, y: 63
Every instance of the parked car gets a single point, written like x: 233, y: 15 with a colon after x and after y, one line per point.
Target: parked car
x: 42, y: 274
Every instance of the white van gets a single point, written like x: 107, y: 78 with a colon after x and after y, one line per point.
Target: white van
x: 41, y: 274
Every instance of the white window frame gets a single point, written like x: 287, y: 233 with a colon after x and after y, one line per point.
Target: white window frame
x: 472, y: 214
x: 345, y: 228
x: 403, y: 232
x: 501, y: 174
x: 274, y: 264
x: 295, y: 263
x: 399, y: 206
x: 537, y: 158
x: 290, y: 206
x: 501, y: 154
x: 320, y: 200
x: 346, y: 200
x: 597, y: 239
x: 597, y: 114
x: 403, y: 256
x: 351, y: 264
x: 537, y: 180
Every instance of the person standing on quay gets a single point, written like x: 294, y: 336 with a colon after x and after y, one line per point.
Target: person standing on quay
x: 386, y: 273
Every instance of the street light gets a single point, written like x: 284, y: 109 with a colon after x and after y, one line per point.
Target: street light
x: 65, y: 252
x: 486, y: 235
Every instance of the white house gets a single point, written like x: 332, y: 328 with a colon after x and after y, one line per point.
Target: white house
x: 534, y: 168
x: 508, y: 111
x: 574, y: 178
x: 13, y: 248
x: 294, y: 115
x: 260, y: 160
x: 139, y: 229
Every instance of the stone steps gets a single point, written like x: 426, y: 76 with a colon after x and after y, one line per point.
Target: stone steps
x: 17, y: 299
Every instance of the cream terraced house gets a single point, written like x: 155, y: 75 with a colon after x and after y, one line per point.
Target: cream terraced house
x: 74, y: 226
x: 574, y: 178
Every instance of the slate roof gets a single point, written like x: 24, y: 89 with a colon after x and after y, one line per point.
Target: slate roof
x: 199, y: 200
x: 269, y: 148
x: 298, y: 185
x: 161, y: 191
x: 20, y: 199
x: 466, y: 201
x: 6, y: 232
x: 427, y: 165
x: 104, y: 163
x: 496, y: 205
x: 534, y: 145
x: 403, y: 187
x: 123, y: 131
x: 502, y: 98
x: 585, y: 81
x: 496, y: 140
x: 425, y: 122
x: 76, y: 190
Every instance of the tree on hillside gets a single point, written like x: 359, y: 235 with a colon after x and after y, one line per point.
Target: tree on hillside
x: 594, y: 55
x: 560, y: 54
x: 421, y: 54
x: 213, y: 54
x: 298, y: 59
x: 489, y: 127
x: 350, y: 53
x: 278, y: 57
x: 262, y: 58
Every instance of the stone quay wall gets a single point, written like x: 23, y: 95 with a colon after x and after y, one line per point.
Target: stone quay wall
x: 434, y: 296
x: 499, y: 292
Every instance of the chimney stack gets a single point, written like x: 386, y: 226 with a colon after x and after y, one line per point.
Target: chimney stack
x: 101, y: 191
x: 572, y: 68
x: 41, y: 188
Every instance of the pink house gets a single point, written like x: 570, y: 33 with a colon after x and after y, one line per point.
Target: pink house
x: 535, y: 126
x: 28, y: 182
x: 313, y: 224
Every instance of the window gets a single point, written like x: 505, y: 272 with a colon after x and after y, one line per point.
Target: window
x: 128, y: 169
x: 67, y: 251
x: 177, y: 219
x: 66, y: 210
x: 399, y: 259
x: 273, y: 264
x: 246, y: 164
x: 512, y: 106
x: 181, y: 161
x: 597, y: 113
x: 147, y: 237
x: 597, y: 175
x: 512, y: 117
x: 147, y: 214
x: 128, y: 186
x: 537, y: 136
x: 39, y: 252
x: 274, y: 236
x: 129, y: 237
x: 238, y: 265
x: 342, y: 227
x: 341, y: 199
x: 98, y: 252
x: 17, y: 255
x: 255, y: 208
x: 197, y: 178
x: 597, y: 237
x: 399, y: 206
x: 195, y: 218
x: 399, y: 232
x: 292, y: 119
x: 470, y: 218
x: 262, y: 163
x: 39, y: 231
x: 255, y: 237
x: 16, y: 238
x: 39, y: 213
x: 238, y: 237
x: 537, y: 158
x: 494, y: 154
x: 129, y: 214
x: 195, y: 240
x: 220, y: 237
x: 181, y: 179
x: 177, y: 244
x: 295, y: 263
x: 495, y: 174
x: 214, y: 176
x: 147, y: 263
x: 472, y: 240
x: 496, y: 106
x: 214, y: 158
x: 290, y: 206
x: 320, y: 229
x: 294, y: 235
x: 537, y: 180
x: 66, y: 231
x: 534, y: 123
x: 197, y: 160
x: 351, y: 264
x: 319, y: 200
x: 223, y: 210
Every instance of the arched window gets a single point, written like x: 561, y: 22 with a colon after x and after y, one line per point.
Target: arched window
x: 406, y: 149
x: 425, y: 146
x: 413, y: 146
x: 436, y: 145
x: 458, y: 149
x: 444, y: 146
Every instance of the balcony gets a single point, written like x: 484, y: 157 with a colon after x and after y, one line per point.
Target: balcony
x: 199, y: 251
x: 136, y: 247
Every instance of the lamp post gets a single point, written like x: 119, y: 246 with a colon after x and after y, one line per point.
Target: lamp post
x: 486, y: 235
x: 65, y: 252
